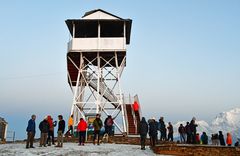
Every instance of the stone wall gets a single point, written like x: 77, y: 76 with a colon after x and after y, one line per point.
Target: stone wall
x: 196, y: 150
x: 172, y: 148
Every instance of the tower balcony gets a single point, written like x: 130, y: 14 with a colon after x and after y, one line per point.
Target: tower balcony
x: 97, y: 44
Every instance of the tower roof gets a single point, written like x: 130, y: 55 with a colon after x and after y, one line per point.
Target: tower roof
x: 2, y: 120
x: 99, y: 15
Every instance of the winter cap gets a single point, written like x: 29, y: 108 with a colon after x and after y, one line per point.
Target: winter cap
x: 153, y: 118
x: 194, y: 118
x: 46, y: 117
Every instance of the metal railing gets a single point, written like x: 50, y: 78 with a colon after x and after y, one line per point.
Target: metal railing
x: 10, y: 136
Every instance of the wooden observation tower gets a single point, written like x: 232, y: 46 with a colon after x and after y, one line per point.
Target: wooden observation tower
x: 96, y: 58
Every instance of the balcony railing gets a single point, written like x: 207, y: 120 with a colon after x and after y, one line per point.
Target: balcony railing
x: 93, y: 44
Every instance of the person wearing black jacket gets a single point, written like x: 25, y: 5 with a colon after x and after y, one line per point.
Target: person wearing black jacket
x: 188, y: 132
x: 44, y: 128
x: 143, y: 130
x: 193, y: 128
x: 61, y: 128
x: 182, y: 132
x: 221, y: 139
x: 153, y: 131
x: 162, y: 129
x: 170, y: 132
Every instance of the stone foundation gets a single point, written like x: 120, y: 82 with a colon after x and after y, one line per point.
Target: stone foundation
x: 172, y: 148
x: 196, y: 150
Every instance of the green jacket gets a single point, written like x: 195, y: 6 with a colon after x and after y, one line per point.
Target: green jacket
x: 97, y: 124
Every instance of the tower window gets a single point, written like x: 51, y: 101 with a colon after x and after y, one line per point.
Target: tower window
x: 111, y: 29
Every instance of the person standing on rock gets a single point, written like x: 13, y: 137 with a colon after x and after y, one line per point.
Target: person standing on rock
x: 31, y: 130
x: 204, y: 138
x: 229, y: 139
x: 162, y: 129
x: 97, y: 124
x: 61, y: 128
x: 182, y: 132
x: 188, y: 132
x: 143, y: 130
x: 221, y: 139
x: 170, y: 131
x: 44, y: 128
x: 193, y: 128
x: 153, y: 131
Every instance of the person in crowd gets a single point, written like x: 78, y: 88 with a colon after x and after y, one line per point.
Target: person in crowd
x: 31, y: 130
x: 188, y: 132
x: 153, y: 131
x: 70, y: 126
x: 162, y: 129
x: 221, y: 139
x: 229, y: 139
x: 51, y: 131
x: 170, y: 131
x: 60, y: 132
x: 193, y: 128
x: 215, y: 139
x: 82, y: 127
x: 204, y: 138
x: 108, y: 124
x: 44, y: 129
x: 197, y: 139
x: 236, y: 144
x: 181, y: 131
x: 135, y: 106
x: 143, y: 130
x: 97, y: 124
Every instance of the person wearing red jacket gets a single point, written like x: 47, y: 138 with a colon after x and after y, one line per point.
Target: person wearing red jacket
x: 229, y: 139
x: 51, y: 130
x: 135, y: 106
x: 82, y: 127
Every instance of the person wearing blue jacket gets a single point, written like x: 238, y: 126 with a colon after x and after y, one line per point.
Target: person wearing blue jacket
x: 31, y: 130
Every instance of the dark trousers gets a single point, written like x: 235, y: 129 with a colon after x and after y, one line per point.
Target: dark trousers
x: 143, y: 141
x: 108, y: 130
x: 50, y: 137
x: 153, y: 140
x: 30, y: 139
x: 170, y: 136
x: 193, y: 138
x: 96, y: 135
x: 189, y: 138
x: 163, y: 136
x: 82, y: 137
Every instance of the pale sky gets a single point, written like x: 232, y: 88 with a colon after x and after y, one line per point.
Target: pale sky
x: 183, y: 59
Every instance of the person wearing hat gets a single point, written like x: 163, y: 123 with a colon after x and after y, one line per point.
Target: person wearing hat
x: 44, y: 128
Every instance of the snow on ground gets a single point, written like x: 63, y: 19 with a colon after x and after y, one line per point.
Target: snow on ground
x: 72, y: 149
